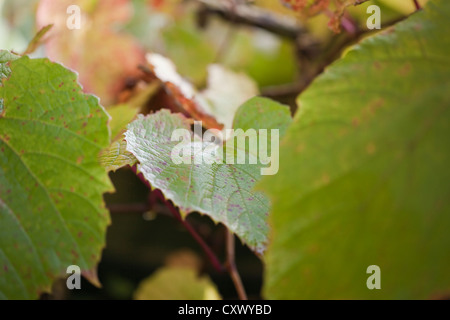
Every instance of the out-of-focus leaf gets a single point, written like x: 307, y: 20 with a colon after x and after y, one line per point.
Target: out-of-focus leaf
x: 103, y: 57
x: 217, y: 104
x: 225, y: 93
x: 310, y: 8
x: 266, y: 58
x: 365, y: 178
x: 121, y: 116
x: 51, y: 185
x: 177, y: 283
x: 17, y: 24
x: 37, y: 39
x: 189, y: 50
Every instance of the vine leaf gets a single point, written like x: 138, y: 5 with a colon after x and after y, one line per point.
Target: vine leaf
x: 103, y: 57
x: 177, y: 283
x: 365, y: 177
x: 51, y: 208
x: 220, y: 190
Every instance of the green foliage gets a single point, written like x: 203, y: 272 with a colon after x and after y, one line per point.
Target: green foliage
x: 365, y: 178
x: 51, y: 208
x: 177, y: 283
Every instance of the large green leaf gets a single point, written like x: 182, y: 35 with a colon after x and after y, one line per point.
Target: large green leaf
x: 365, y: 178
x: 222, y: 191
x: 51, y: 208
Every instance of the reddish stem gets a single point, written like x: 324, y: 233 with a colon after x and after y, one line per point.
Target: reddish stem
x: 417, y: 4
x: 231, y: 266
x: 209, y: 253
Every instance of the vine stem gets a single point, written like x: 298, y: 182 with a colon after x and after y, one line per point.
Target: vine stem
x: 209, y: 253
x: 417, y: 4
x: 231, y: 266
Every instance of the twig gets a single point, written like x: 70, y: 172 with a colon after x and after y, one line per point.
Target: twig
x: 228, y: 35
x: 209, y: 253
x: 231, y: 266
x: 252, y: 16
x: 417, y: 4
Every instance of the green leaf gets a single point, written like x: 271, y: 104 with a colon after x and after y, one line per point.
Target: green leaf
x: 5, y: 58
x: 121, y: 116
x: 222, y: 191
x: 116, y: 156
x: 5, y: 71
x: 268, y: 59
x: 177, y: 283
x: 51, y: 208
x: 365, y: 177
x: 188, y: 49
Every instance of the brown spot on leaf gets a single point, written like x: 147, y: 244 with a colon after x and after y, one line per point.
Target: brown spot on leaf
x: 300, y: 147
x: 371, y: 148
x: 405, y: 69
x: 325, y: 178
